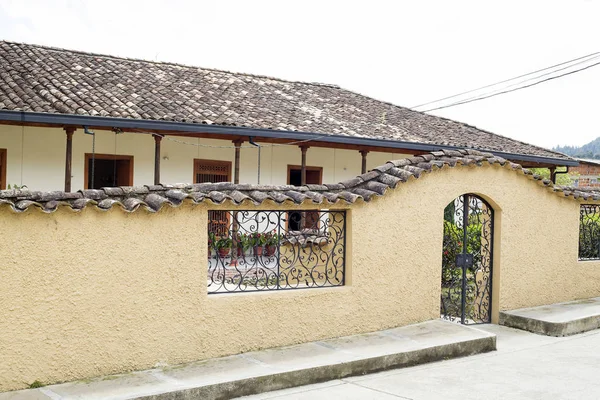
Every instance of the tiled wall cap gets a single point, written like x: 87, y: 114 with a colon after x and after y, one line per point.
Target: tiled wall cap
x: 364, y: 187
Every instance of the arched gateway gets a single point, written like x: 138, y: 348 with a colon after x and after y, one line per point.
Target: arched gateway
x: 467, y: 260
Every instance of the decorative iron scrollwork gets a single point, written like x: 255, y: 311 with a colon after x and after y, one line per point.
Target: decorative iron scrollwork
x: 589, y: 232
x: 277, y: 250
x: 467, y: 260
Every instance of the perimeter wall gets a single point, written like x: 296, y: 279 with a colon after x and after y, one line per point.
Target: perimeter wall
x: 91, y: 293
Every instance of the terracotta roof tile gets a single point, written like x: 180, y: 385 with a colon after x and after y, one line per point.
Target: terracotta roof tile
x: 50, y: 80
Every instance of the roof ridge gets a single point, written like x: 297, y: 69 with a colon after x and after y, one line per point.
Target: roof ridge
x: 363, y: 187
x: 171, y: 63
x: 167, y: 91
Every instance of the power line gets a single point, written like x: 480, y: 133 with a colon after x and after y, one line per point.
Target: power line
x: 587, y: 57
x: 529, y: 79
x: 512, y: 90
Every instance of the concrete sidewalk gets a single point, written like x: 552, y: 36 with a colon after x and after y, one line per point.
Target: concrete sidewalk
x: 525, y: 367
x: 561, y: 319
x: 280, y: 368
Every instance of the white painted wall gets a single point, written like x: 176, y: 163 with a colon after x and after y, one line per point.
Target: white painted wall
x: 36, y: 157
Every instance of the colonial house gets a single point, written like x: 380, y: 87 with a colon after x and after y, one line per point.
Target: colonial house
x: 71, y: 120
x: 112, y: 267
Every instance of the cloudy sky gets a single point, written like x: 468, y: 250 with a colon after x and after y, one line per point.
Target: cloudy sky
x: 405, y: 52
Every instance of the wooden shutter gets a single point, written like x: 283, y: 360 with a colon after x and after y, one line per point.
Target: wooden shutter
x: 214, y: 171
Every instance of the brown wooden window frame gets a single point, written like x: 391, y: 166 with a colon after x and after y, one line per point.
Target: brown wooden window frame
x: 308, y: 168
x: 299, y: 167
x: 2, y: 169
x: 221, y: 223
x: 216, y: 163
x: 117, y: 157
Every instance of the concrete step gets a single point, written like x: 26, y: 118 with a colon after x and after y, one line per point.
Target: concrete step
x: 561, y: 319
x: 279, y: 368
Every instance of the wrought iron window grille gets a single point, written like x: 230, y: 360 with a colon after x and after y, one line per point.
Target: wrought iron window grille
x: 277, y: 250
x: 589, y: 232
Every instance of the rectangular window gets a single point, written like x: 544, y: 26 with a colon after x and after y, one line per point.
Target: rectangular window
x: 258, y: 253
x: 214, y: 171
x: 589, y: 232
x: 107, y: 170
x: 310, y: 219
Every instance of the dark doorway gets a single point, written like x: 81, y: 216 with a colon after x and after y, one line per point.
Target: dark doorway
x: 313, y: 176
x: 467, y: 260
x: 108, y: 171
x: 307, y: 219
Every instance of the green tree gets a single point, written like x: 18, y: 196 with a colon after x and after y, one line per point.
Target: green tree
x: 588, y: 150
x: 449, y: 212
x: 561, y: 179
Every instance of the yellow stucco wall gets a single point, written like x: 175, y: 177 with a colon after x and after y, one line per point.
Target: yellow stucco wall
x: 93, y: 293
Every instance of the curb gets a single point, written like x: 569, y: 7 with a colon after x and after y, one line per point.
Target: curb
x: 285, y: 380
x: 557, y: 329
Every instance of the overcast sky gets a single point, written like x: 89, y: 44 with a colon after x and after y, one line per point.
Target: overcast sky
x: 405, y: 52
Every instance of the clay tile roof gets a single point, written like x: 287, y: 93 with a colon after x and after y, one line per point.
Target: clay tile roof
x: 365, y: 187
x: 50, y: 80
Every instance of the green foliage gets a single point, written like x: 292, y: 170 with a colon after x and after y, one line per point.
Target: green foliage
x: 589, y: 236
x: 257, y: 239
x: 272, y: 239
x: 453, y: 245
x: 449, y: 212
x: 17, y: 187
x: 223, y: 243
x: 261, y: 282
x: 36, y: 384
x: 243, y: 241
x: 561, y: 179
x: 588, y: 150
x: 212, y: 239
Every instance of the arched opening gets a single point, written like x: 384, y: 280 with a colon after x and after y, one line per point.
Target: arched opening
x: 466, y: 294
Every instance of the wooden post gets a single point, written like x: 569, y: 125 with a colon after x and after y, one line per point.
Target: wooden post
x: 236, y: 173
x: 235, y: 226
x: 303, y: 166
x: 69, y: 130
x: 304, y: 149
x: 363, y: 168
x: 157, y: 139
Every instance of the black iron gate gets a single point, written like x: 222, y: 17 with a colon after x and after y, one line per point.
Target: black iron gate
x: 467, y: 260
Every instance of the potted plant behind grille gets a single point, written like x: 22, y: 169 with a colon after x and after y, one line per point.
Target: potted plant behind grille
x: 243, y: 244
x: 223, y: 246
x: 271, y: 242
x: 211, y: 242
x: 257, y: 241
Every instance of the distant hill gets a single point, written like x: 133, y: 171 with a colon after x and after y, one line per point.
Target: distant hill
x: 588, y: 150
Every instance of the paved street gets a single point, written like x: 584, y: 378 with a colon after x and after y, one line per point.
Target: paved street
x: 526, y: 366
